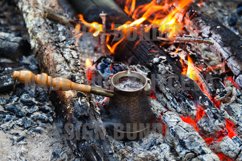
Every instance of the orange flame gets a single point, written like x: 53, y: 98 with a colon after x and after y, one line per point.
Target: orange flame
x: 113, y: 47
x: 192, y: 72
x: 160, y: 15
x: 129, y: 6
x: 167, y: 17
x: 94, y: 27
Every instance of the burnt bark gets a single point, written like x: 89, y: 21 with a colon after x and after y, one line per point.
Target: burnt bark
x: 13, y: 47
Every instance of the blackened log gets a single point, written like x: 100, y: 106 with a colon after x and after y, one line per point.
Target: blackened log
x: 13, y: 47
x: 59, y: 59
x: 92, y: 8
x: 122, y: 3
x: 226, y: 42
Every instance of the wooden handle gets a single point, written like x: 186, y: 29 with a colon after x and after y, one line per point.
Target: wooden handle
x: 46, y: 81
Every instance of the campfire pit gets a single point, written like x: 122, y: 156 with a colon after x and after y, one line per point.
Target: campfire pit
x: 192, y: 109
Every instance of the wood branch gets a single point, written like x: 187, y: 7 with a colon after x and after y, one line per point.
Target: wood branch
x: 13, y: 47
x: 186, y: 40
x: 57, y: 17
x: 58, y: 59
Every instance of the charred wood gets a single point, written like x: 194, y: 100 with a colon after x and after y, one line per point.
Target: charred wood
x: 13, y: 47
x: 186, y: 40
x: 92, y: 8
x: 189, y: 145
x: 122, y: 3
x: 226, y: 42
x: 57, y: 17
x: 57, y: 59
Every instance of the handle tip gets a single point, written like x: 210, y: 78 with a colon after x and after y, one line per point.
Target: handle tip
x: 15, y: 74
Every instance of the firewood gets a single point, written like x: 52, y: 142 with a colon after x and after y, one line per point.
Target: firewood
x: 57, y: 17
x: 63, y: 61
x: 13, y: 47
x: 186, y: 40
x: 226, y: 43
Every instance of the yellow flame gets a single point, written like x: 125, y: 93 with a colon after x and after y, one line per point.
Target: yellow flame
x: 129, y: 6
x: 88, y: 63
x: 164, y: 16
x: 94, y: 27
x: 192, y: 71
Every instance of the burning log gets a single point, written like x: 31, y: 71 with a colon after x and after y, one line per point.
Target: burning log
x: 63, y: 61
x: 228, y: 148
x: 189, y: 145
x: 136, y: 50
x: 226, y: 42
x: 59, y: 60
x: 13, y: 47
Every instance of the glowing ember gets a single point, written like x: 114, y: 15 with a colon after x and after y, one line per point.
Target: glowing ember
x: 209, y: 140
x: 190, y: 121
x: 200, y: 113
x: 153, y: 95
x: 223, y: 157
x: 193, y: 122
x: 89, y: 73
x: 219, y: 136
x: 163, y: 125
x: 233, y: 82
x: 230, y: 128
